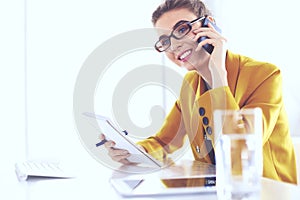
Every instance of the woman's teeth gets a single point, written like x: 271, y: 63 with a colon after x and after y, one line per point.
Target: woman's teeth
x: 185, y: 54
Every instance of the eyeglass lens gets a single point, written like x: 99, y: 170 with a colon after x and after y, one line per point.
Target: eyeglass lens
x: 178, y: 33
x: 181, y: 30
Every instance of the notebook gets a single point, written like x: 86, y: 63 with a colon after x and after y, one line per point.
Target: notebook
x: 122, y: 140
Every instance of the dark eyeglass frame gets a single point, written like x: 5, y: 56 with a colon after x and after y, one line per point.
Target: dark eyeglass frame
x: 178, y: 24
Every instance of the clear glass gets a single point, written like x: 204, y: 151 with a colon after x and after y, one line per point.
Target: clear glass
x: 238, y: 153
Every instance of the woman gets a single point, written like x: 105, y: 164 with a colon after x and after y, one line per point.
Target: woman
x: 217, y: 79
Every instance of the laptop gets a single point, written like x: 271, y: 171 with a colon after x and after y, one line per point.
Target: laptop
x: 189, y: 177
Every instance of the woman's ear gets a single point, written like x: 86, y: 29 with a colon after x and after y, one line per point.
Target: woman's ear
x: 211, y: 19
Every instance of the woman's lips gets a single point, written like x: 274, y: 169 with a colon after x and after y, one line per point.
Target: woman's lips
x: 184, y: 56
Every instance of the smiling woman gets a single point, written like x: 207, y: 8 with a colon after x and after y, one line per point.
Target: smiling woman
x: 55, y: 53
x: 217, y: 79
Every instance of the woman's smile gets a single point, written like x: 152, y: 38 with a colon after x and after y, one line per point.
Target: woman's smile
x: 184, y: 56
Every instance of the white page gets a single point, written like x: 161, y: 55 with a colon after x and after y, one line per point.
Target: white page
x: 111, y: 132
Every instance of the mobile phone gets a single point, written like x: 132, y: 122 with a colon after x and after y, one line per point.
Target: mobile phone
x: 208, y: 47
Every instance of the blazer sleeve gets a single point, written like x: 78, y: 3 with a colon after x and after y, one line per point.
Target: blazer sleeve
x: 266, y: 93
x: 169, y: 138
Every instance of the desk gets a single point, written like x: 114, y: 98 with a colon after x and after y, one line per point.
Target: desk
x: 92, y: 183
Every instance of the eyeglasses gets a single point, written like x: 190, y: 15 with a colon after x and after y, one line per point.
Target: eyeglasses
x: 181, y: 29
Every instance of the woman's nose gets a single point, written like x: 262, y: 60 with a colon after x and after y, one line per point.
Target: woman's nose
x: 175, y: 44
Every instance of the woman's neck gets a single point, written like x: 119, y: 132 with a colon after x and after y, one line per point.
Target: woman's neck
x: 205, y: 73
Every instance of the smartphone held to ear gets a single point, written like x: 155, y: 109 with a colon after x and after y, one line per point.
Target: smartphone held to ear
x: 208, y: 47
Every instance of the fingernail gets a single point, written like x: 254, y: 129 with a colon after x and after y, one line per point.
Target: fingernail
x: 125, y: 152
x: 112, y: 144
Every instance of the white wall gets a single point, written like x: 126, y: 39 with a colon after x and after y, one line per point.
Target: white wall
x: 61, y: 36
x: 267, y: 30
x: 12, y: 113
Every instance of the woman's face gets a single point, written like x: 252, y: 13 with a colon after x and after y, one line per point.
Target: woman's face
x: 182, y: 52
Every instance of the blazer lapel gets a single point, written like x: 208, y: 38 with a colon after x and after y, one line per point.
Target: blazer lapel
x: 232, y: 64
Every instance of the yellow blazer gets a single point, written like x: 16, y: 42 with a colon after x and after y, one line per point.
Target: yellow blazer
x: 251, y: 84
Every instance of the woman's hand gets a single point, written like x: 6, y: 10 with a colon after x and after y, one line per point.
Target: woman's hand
x: 216, y: 63
x: 119, y: 155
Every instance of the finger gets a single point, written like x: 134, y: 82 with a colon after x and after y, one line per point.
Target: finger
x: 125, y: 161
x: 200, y: 45
x: 117, y: 152
x: 205, y: 28
x: 109, y: 144
x: 121, y: 158
x: 202, y: 29
x: 209, y: 34
x: 101, y: 136
x: 117, y: 157
x: 204, y: 42
x: 213, y: 41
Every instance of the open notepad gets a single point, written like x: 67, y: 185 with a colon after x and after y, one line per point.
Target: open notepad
x: 112, y: 132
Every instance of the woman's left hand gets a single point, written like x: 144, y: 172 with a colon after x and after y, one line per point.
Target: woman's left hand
x: 216, y: 63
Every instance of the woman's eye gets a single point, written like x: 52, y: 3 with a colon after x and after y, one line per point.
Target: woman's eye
x: 182, y: 30
x: 165, y: 42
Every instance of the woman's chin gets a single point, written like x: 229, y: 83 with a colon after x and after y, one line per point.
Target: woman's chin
x: 188, y: 66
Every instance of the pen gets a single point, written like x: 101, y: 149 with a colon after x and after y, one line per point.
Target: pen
x: 101, y: 143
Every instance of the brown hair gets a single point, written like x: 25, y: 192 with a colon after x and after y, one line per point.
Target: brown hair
x: 195, y: 6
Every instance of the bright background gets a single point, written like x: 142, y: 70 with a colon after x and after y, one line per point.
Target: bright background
x: 44, y: 43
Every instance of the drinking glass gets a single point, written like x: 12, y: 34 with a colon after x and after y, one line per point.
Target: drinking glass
x: 238, y: 150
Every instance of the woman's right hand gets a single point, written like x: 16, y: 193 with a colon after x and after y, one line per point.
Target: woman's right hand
x: 119, y: 155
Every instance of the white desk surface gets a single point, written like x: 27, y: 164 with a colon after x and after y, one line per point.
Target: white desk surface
x: 92, y: 183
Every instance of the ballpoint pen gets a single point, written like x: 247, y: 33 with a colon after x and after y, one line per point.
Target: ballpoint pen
x: 101, y: 142
x: 104, y: 140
